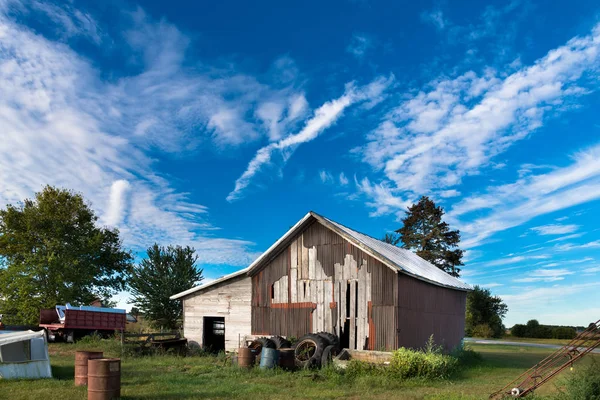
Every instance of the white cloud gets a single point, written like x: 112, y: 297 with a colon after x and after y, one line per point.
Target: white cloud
x: 65, y: 126
x: 514, y: 260
x: 322, y: 118
x: 570, y: 246
x: 513, y: 204
x: 454, y: 127
x: 566, y: 237
x: 555, y: 229
x: 116, y: 203
x: 326, y: 176
x: 449, y: 193
x: 360, y: 45
x: 343, y: 179
x: 545, y: 275
x: 384, y: 198
x: 435, y: 17
x: 591, y: 270
x: 491, y: 285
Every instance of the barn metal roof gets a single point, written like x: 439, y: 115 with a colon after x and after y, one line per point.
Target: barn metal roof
x: 401, y: 259
x: 207, y: 285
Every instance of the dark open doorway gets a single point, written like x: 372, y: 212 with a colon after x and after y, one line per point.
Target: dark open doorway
x: 214, y: 334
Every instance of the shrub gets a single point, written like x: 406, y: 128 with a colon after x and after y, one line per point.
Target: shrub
x: 466, y: 356
x: 482, y: 331
x: 564, y: 332
x: 519, y: 330
x: 583, y: 385
x: 407, y: 363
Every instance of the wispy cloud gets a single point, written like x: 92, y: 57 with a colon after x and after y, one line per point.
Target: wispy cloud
x: 322, y: 118
x: 555, y: 229
x: 359, y: 45
x: 326, y: 176
x: 62, y: 124
x: 545, y: 275
x: 454, y: 127
x: 570, y: 246
x: 435, y: 17
x: 343, y: 179
x: 513, y: 204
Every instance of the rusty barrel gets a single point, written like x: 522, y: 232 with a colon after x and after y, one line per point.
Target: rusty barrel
x: 104, y: 379
x: 246, y: 357
x: 81, y: 365
x: 287, y: 359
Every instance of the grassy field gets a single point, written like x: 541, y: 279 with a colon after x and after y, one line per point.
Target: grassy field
x: 560, y: 342
x: 208, y: 377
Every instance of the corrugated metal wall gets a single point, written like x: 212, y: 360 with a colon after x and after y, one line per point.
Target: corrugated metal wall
x: 426, y: 310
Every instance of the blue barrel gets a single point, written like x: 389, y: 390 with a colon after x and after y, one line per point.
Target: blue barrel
x: 269, y: 358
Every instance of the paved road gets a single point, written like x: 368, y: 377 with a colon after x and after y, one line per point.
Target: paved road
x: 522, y: 344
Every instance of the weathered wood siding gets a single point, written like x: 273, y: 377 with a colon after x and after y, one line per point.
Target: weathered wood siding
x: 426, y: 310
x: 321, y: 282
x: 231, y: 300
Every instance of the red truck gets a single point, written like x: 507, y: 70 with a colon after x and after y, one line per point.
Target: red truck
x: 71, y: 323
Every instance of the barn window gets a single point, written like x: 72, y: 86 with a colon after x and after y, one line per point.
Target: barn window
x: 273, y: 292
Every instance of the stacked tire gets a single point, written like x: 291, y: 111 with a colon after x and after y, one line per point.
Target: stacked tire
x: 316, y: 349
x: 281, y: 342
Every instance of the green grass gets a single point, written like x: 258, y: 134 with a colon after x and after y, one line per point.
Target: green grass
x: 171, y: 377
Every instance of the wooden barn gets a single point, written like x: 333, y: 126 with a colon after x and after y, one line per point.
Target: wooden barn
x: 324, y: 276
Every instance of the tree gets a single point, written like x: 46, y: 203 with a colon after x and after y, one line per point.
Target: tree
x: 390, y: 238
x: 165, y: 272
x: 424, y: 232
x: 484, y: 309
x: 52, y: 252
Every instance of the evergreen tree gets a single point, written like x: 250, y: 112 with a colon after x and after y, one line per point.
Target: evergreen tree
x: 391, y: 238
x: 165, y: 272
x: 430, y: 237
x: 52, y: 252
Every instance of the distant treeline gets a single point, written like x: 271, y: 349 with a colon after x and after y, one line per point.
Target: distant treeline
x: 533, y: 329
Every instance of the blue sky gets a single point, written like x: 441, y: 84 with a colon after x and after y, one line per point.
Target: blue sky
x: 220, y: 124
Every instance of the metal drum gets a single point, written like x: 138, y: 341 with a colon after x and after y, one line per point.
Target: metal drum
x: 245, y: 357
x: 81, y: 365
x: 268, y: 358
x: 286, y: 359
x: 104, y: 379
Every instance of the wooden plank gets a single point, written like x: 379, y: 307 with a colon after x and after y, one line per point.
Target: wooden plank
x: 353, y: 269
x: 283, y: 289
x: 320, y: 305
x: 328, y: 299
x: 294, y: 283
x: 276, y: 292
x: 294, y: 254
x: 304, y: 253
x: 312, y: 258
x: 362, y: 306
x: 368, y: 299
x: 352, y: 315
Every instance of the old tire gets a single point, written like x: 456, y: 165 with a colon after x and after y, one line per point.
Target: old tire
x: 331, y: 339
x: 328, y: 354
x: 281, y: 342
x: 309, y: 350
x: 258, y: 344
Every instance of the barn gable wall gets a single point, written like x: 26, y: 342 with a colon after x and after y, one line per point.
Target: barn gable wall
x: 425, y: 310
x: 317, y: 283
x: 231, y: 300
